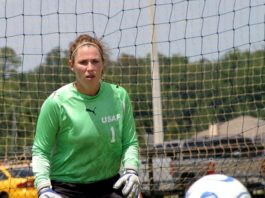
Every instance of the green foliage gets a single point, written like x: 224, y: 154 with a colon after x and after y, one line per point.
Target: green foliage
x: 194, y: 94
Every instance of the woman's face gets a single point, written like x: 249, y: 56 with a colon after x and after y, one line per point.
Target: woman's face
x: 88, y: 69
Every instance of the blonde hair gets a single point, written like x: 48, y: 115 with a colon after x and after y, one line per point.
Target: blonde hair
x: 83, y: 40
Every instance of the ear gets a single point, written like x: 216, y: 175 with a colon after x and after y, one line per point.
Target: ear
x: 102, y: 72
x: 70, y: 63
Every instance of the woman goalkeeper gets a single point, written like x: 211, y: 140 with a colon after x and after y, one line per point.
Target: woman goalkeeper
x: 85, y: 133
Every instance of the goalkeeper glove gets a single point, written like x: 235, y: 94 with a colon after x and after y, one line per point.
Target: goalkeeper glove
x: 130, y: 182
x: 47, y: 192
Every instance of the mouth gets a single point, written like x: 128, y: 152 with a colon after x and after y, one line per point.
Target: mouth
x: 90, y: 77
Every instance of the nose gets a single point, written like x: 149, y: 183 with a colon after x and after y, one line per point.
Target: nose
x: 90, y: 66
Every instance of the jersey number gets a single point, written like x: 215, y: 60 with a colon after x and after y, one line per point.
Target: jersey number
x: 112, y: 134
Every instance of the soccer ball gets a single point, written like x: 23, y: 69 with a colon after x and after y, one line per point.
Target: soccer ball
x: 217, y: 186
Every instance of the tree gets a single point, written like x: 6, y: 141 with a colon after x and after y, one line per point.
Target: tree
x: 9, y: 62
x: 9, y: 86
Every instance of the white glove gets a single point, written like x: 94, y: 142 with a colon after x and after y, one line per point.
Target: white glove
x: 48, y: 193
x: 131, y: 184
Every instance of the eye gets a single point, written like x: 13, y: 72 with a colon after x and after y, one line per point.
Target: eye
x: 95, y: 61
x: 83, y: 62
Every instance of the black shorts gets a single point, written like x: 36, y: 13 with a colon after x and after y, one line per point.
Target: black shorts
x: 100, y: 189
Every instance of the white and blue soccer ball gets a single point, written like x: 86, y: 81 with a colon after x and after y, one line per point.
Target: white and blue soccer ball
x: 217, y: 186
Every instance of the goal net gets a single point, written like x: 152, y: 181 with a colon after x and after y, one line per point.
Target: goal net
x: 194, y: 70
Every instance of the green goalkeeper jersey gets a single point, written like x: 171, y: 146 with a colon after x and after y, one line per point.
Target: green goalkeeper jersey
x: 84, y: 139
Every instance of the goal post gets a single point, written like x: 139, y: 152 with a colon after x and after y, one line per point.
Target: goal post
x: 158, y: 131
